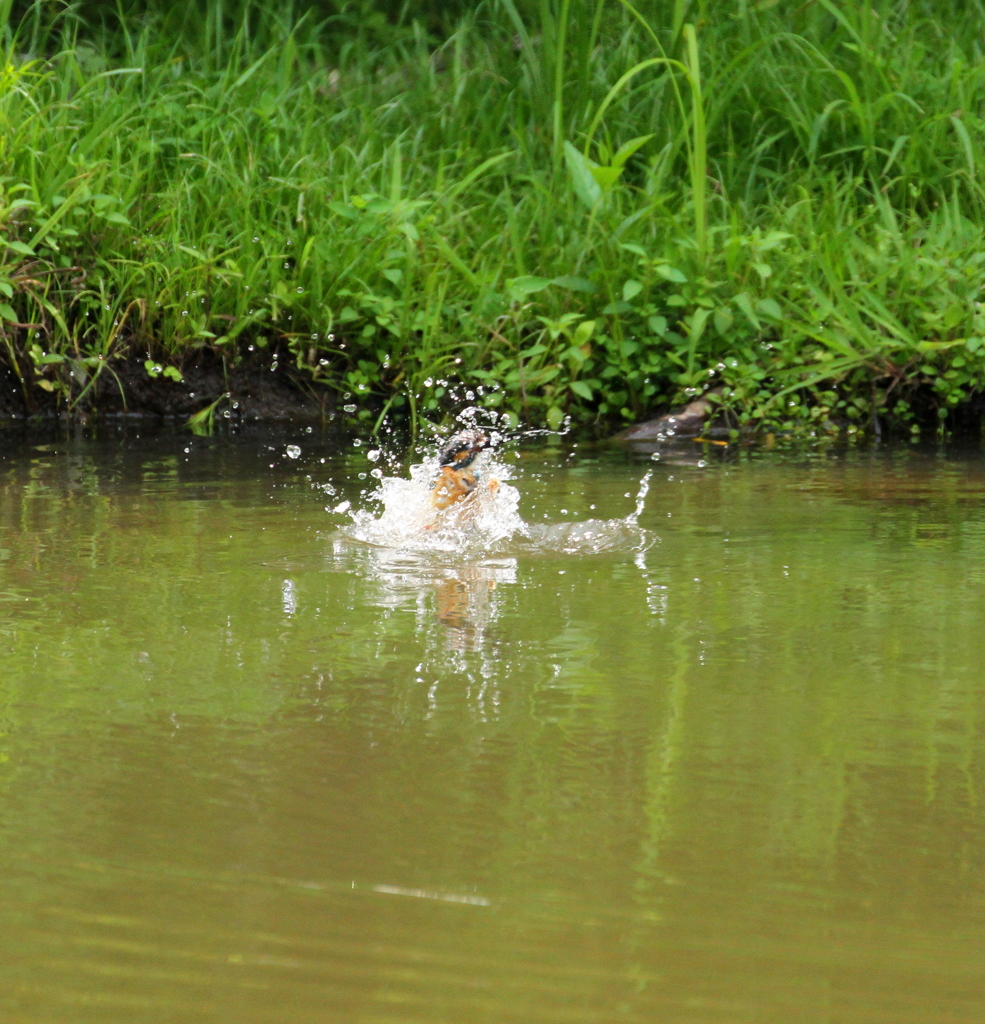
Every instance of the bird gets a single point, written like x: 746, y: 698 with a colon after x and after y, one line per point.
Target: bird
x: 456, y: 478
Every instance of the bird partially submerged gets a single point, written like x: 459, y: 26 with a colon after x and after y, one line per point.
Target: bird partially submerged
x: 457, y: 478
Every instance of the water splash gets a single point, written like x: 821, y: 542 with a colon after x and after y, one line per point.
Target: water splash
x: 487, y: 521
x: 594, y: 536
x: 484, y: 521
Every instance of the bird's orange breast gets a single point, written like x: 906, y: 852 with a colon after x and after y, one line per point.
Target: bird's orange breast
x: 451, y: 485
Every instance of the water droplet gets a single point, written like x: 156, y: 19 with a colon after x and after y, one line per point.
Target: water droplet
x: 373, y: 454
x: 348, y: 408
x: 293, y: 451
x: 314, y: 337
x: 342, y: 506
x: 376, y: 473
x: 357, y: 443
x: 300, y: 290
x: 184, y: 312
x: 428, y: 382
x: 256, y: 238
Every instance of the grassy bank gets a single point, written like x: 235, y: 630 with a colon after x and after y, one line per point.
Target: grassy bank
x: 582, y: 208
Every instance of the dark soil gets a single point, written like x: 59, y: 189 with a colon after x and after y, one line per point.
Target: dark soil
x: 255, y: 392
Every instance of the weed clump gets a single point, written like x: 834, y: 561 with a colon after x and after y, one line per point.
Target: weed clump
x: 588, y: 209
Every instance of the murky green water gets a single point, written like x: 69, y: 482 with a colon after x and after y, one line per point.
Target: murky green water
x: 253, y: 773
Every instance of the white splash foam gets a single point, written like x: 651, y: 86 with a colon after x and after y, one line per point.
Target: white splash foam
x: 487, y: 522
x: 484, y: 521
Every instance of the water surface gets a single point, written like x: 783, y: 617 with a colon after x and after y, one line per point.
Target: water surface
x: 251, y: 771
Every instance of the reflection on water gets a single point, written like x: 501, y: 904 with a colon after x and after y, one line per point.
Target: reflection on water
x: 460, y: 594
x: 252, y: 770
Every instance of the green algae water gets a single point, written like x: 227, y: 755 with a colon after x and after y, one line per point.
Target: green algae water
x: 255, y: 769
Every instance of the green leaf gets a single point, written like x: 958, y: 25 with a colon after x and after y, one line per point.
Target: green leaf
x: 723, y: 319
x: 586, y: 187
x: 7, y: 288
x: 554, y: 417
x: 343, y: 210
x: 770, y: 308
x: 527, y: 285
x: 583, y: 332
x: 173, y: 373
x: 7, y: 313
x: 698, y: 320
x: 631, y: 289
x: 626, y: 150
x: 744, y: 303
x: 580, y: 388
x: 658, y: 324
x: 606, y: 176
x: 574, y: 284
x: 773, y: 239
x: 20, y: 247
x: 116, y: 218
x: 669, y: 273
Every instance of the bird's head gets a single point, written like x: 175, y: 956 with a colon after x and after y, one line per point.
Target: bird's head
x: 461, y: 449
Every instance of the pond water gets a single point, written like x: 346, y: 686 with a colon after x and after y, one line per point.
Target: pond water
x: 729, y: 769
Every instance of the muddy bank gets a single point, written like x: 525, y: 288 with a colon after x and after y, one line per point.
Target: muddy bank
x: 250, y: 390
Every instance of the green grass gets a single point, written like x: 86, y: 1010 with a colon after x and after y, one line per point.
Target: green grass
x: 578, y: 207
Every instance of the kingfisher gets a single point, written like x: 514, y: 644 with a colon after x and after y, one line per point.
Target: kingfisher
x: 456, y: 479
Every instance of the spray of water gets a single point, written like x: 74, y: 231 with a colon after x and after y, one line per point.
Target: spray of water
x: 593, y: 536
x: 487, y: 521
